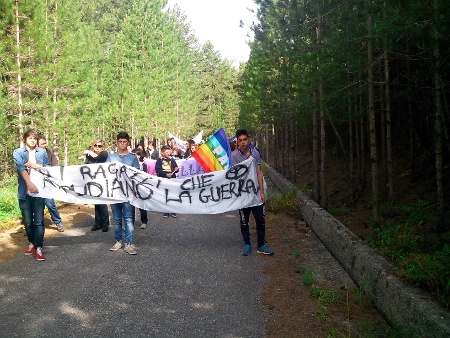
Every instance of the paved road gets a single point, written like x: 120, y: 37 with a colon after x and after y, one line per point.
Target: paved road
x: 187, y: 280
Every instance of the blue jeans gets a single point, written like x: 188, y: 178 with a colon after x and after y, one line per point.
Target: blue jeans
x: 32, y: 209
x: 259, y: 212
x: 123, y: 211
x: 53, y: 210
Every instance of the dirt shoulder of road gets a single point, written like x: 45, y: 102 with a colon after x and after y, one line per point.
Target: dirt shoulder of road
x: 13, y: 241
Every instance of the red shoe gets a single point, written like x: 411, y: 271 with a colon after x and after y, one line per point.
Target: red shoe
x: 39, y: 255
x: 30, y: 251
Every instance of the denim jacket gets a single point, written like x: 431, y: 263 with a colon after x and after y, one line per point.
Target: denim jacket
x: 20, y: 158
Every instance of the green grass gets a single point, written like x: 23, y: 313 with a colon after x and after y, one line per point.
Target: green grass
x: 9, y: 205
x: 419, y: 254
x: 326, y: 296
x: 309, y: 278
x: 287, y: 203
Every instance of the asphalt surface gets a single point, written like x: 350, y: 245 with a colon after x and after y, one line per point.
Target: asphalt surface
x: 187, y: 280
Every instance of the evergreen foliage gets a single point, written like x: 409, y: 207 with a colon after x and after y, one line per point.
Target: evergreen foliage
x: 307, y: 79
x: 79, y: 70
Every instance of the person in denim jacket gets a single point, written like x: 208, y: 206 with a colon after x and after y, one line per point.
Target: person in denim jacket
x: 26, y: 158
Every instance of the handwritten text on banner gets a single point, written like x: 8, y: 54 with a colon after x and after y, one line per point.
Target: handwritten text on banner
x: 109, y: 183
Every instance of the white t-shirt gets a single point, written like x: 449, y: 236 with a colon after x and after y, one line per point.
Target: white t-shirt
x: 32, y: 156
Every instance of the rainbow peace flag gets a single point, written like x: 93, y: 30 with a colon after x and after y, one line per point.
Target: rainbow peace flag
x: 215, y: 153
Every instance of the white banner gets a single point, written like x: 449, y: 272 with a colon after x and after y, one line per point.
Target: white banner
x: 113, y: 182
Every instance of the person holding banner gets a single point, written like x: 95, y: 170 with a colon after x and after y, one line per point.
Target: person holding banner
x: 140, y: 154
x: 244, y: 152
x: 32, y: 208
x: 50, y: 202
x: 167, y: 167
x: 98, y: 154
x: 123, y: 210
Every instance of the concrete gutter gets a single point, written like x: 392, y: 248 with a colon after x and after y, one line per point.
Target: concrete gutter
x: 400, y: 304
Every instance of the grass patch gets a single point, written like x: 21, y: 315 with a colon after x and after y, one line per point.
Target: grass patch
x: 309, y: 278
x: 9, y: 204
x: 337, y: 211
x: 326, y: 296
x: 287, y: 203
x: 420, y: 255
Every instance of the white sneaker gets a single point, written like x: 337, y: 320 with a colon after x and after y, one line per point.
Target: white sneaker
x: 129, y: 249
x: 116, y: 246
x: 143, y: 225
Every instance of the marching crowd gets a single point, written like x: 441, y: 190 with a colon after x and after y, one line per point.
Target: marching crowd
x: 35, y: 154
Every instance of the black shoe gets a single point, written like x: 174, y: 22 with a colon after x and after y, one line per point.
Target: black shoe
x: 105, y: 229
x: 95, y: 228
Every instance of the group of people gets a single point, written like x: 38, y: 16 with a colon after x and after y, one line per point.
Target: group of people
x: 35, y: 154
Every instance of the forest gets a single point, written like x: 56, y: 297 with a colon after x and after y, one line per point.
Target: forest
x: 76, y: 70
x: 360, y: 81
x: 353, y: 95
x: 360, y: 87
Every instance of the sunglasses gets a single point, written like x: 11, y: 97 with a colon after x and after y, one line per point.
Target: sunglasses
x: 98, y: 145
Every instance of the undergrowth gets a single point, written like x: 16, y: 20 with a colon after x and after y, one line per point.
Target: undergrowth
x: 420, y: 255
x: 9, y: 205
x: 287, y: 203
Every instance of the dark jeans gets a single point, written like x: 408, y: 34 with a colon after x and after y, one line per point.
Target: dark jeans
x: 101, y: 216
x: 258, y: 212
x: 32, y: 209
x: 143, y: 214
x: 144, y: 217
x: 53, y: 210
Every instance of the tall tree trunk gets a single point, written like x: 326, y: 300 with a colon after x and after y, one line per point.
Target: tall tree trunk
x: 412, y: 150
x: 55, y: 89
x: 323, y: 183
x: 390, y: 174
x: 358, y: 159
x: 316, y: 151
x: 19, y: 73
x: 438, y: 120
x: 351, y: 154
x: 315, y: 121
x: 338, y: 136
x: 372, y: 126
x: 362, y: 138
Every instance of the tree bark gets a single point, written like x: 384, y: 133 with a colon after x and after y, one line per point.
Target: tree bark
x: 372, y: 125
x: 438, y: 121
x: 19, y: 74
x: 390, y: 174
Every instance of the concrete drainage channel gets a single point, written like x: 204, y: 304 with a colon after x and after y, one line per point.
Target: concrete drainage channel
x: 400, y: 304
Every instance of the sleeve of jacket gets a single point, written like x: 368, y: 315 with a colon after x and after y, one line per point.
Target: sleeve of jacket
x: 173, y: 166
x: 19, y: 160
x: 158, y: 168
